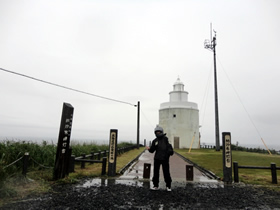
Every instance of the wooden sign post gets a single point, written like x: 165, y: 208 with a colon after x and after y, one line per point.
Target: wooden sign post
x: 61, y: 168
x: 112, y: 161
x: 227, y: 158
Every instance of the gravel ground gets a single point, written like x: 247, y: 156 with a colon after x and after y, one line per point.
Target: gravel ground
x: 139, y: 196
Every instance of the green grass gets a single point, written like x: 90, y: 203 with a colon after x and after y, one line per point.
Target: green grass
x: 39, y: 179
x: 15, y: 186
x: 212, y: 161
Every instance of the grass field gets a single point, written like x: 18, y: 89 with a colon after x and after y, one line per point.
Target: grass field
x: 212, y: 160
x: 13, y: 185
x: 38, y: 181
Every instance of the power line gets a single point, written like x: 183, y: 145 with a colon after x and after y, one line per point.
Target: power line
x: 68, y: 88
x: 205, y: 98
x: 240, y: 100
x: 244, y: 107
x: 147, y: 119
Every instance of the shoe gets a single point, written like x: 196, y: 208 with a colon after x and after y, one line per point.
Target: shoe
x: 154, y: 188
x: 168, y: 189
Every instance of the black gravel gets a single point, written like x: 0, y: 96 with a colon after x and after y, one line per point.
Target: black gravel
x: 121, y: 196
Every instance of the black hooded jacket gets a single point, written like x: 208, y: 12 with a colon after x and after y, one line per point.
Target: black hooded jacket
x: 162, y: 147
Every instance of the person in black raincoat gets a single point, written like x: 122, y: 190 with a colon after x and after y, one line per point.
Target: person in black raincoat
x: 163, y: 150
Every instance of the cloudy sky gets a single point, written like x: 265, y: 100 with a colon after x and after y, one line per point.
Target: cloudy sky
x: 134, y: 51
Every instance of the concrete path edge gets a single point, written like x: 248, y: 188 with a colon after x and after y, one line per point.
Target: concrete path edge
x: 130, y: 163
x: 209, y: 174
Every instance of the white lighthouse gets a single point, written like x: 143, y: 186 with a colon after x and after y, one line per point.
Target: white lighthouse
x: 180, y: 118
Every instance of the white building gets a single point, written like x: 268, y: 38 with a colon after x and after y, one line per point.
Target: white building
x: 179, y: 118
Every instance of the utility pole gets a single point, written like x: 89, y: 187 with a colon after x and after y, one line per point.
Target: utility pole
x: 211, y: 45
x: 138, y: 123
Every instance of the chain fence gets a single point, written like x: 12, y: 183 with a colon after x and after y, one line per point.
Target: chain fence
x: 31, y: 159
x: 40, y: 164
x: 12, y: 163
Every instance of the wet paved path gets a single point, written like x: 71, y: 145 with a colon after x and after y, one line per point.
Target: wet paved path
x: 177, y: 169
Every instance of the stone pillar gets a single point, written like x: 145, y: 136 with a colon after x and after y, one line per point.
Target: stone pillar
x: 61, y: 168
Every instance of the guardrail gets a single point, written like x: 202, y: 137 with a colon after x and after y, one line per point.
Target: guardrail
x: 272, y: 167
x: 241, y: 148
x: 95, y: 157
x: 204, y: 146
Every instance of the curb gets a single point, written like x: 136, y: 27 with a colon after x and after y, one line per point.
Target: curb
x: 130, y: 163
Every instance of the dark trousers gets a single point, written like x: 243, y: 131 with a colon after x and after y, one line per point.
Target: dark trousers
x: 166, y: 173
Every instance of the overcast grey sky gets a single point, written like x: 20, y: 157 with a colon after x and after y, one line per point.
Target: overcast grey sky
x: 134, y: 51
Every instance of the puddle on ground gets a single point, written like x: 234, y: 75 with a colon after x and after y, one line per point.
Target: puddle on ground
x: 133, y: 176
x: 135, y: 171
x: 97, y: 182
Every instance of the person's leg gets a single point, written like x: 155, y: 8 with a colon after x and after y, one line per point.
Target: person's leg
x: 166, y: 173
x: 156, y: 173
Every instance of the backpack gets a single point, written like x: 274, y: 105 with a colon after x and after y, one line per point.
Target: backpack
x: 170, y: 151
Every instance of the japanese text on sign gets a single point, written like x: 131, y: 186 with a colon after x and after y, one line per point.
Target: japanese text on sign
x: 67, y: 132
x: 228, y: 151
x: 112, y: 147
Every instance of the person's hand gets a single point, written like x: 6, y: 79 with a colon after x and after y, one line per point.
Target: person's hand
x: 147, y: 147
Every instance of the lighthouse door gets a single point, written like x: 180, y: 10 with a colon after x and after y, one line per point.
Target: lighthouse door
x: 176, y: 142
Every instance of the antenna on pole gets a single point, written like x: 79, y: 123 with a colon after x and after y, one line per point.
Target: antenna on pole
x: 210, y: 31
x: 211, y: 45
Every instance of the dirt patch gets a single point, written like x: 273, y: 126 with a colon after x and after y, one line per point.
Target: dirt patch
x: 120, y: 196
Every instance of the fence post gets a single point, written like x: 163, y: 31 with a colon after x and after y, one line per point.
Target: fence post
x: 235, y: 172
x: 83, y: 163
x: 104, y: 165
x: 72, y: 164
x: 92, y: 156
x: 105, y: 153
x: 147, y: 171
x: 273, y: 173
x: 25, y: 163
x: 99, y: 155
x: 189, y: 172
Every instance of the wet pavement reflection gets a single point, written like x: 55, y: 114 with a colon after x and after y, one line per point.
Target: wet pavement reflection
x: 177, y: 169
x: 133, y: 176
x: 97, y: 182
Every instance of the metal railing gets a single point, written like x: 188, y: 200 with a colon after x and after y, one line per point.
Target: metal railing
x: 272, y: 167
x: 95, y: 157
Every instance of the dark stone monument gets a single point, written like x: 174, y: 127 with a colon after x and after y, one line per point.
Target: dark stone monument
x: 227, y: 158
x: 61, y: 168
x: 112, y: 161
